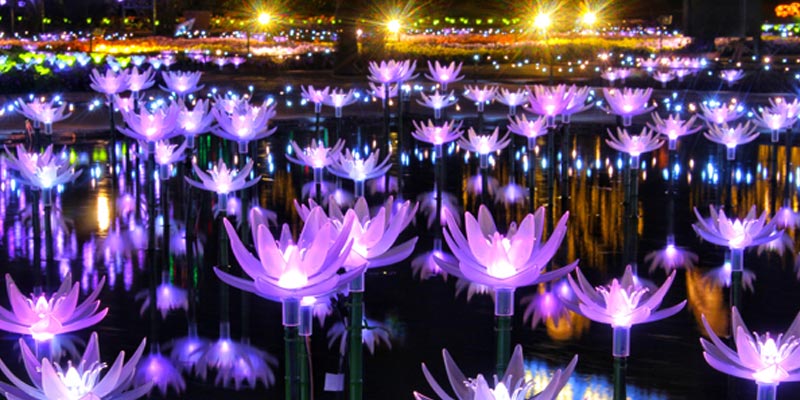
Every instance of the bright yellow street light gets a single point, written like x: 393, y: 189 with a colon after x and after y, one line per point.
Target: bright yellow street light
x: 542, y: 21
x: 589, y: 18
x: 393, y: 26
x: 264, y: 18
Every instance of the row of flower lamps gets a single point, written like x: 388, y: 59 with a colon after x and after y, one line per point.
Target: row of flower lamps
x: 296, y: 272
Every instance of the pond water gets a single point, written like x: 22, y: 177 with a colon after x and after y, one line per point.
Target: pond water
x: 100, y: 232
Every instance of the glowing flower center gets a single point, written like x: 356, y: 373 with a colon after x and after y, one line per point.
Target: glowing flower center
x: 550, y: 109
x: 627, y: 108
x: 79, y: 386
x: 359, y: 171
x: 620, y: 304
x: 772, y: 356
x: 42, y: 307
x: 501, y: 392
x: 500, y: 268
x: 293, y: 279
x: 47, y: 176
x: 739, y: 238
x: 444, y: 77
x: 484, y: 145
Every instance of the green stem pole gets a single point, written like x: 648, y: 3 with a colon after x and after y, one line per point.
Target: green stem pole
x: 356, y: 357
x: 37, y: 229
x: 531, y: 175
x: 291, y: 379
x: 113, y: 146
x: 302, y: 364
x: 620, y: 368
x: 503, y: 341
x: 50, y: 268
x: 737, y: 269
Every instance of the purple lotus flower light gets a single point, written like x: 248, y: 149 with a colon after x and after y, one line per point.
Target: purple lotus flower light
x: 722, y: 276
x: 504, y: 262
x: 614, y: 74
x: 673, y: 127
x: 427, y: 204
x: 315, y: 156
x: 372, y: 236
x: 550, y: 101
x: 81, y: 380
x: 222, y: 180
x: 783, y: 243
x: 236, y: 364
x: 44, y: 317
x: 732, y: 136
x: 664, y: 77
x: 767, y: 359
x: 531, y: 129
x: 671, y: 257
x: 634, y: 145
x: 168, y: 298
x: 141, y: 81
x: 437, y: 135
x: 194, y: 122
x: 350, y: 165
x: 338, y: 99
x: 152, y: 126
x: 110, y: 83
x: 717, y: 113
x: 41, y: 170
x: 43, y: 112
x: 444, y: 75
x: 512, y: 99
x: 736, y: 234
x: 386, y: 72
x: 287, y: 270
x: 621, y: 304
x: 181, y: 83
x: 627, y: 102
x: 480, y: 95
x: 437, y: 102
x: 315, y: 96
x: 483, y: 145
x: 783, y: 106
x: 774, y: 119
x: 245, y: 124
x: 159, y: 371
x: 125, y: 104
x: 577, y: 103
x: 731, y: 76
x: 512, y: 385
x: 166, y: 154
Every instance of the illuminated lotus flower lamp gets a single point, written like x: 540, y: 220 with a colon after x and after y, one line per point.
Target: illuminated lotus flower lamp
x: 350, y: 165
x: 437, y: 102
x: 138, y: 82
x: 627, y: 103
x: 44, y: 317
x: 444, y: 75
x: 80, y: 380
x: 223, y: 180
x: 339, y: 99
x: 718, y: 113
x: 316, y: 157
x: 245, y: 124
x: 736, y: 235
x: 512, y: 385
x: 167, y: 154
x: 159, y: 371
x: 783, y: 106
x: 550, y: 101
x: 765, y: 358
x: 168, y: 298
x: 614, y: 74
x: 151, y: 126
x: 621, y: 304
x: 237, y: 364
x: 481, y: 96
x: 577, y: 103
x: 512, y: 99
x: 673, y: 127
x: 671, y: 257
x: 317, y: 97
x: 372, y: 238
x: 503, y: 262
x: 775, y: 120
x: 388, y: 75
x: 126, y: 104
x: 483, y: 145
x: 532, y: 130
x: 194, y: 122
x: 43, y: 112
x: 731, y: 76
x: 634, y: 145
x: 731, y: 137
x: 110, y: 84
x: 181, y: 83
x: 664, y: 77
x: 287, y: 271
